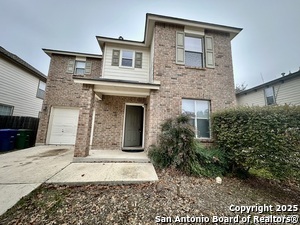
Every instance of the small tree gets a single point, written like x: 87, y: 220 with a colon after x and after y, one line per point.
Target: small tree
x: 240, y: 88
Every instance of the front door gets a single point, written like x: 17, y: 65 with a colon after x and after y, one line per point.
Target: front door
x: 134, y: 122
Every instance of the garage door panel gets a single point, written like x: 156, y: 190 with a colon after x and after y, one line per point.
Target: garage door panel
x: 63, y: 128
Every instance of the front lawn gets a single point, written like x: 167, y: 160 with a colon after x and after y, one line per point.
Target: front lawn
x: 174, y: 195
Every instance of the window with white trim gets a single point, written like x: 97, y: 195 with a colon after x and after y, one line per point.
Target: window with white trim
x: 41, y: 90
x: 6, y: 110
x: 193, y: 51
x: 270, y: 97
x: 79, y: 67
x: 199, y: 111
x: 127, y: 58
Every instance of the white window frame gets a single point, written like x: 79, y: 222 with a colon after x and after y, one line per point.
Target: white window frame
x: 202, y: 49
x: 273, y: 95
x: 76, y: 67
x: 41, y: 91
x: 121, y: 58
x: 195, y: 117
x: 11, y: 108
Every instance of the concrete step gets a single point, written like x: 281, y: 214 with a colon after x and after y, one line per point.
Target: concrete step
x: 97, y: 156
x: 105, y: 173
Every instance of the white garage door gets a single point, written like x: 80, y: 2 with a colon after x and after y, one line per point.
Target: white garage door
x: 63, y: 126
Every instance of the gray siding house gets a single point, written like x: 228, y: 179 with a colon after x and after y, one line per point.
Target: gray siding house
x: 22, y: 87
x: 281, y: 91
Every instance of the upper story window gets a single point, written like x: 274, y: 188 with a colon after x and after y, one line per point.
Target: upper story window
x: 41, y: 90
x: 6, y: 110
x: 194, y: 51
x: 127, y: 58
x: 270, y: 97
x: 198, y: 110
x: 79, y: 67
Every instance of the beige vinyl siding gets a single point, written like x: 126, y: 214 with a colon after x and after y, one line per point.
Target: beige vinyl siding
x: 253, y: 98
x: 123, y: 73
x: 288, y: 92
x: 18, y: 88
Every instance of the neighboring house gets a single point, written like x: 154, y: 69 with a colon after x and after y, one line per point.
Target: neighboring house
x: 281, y: 91
x: 118, y: 100
x: 22, y: 87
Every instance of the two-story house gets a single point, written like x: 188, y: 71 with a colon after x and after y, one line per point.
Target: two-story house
x: 281, y: 91
x: 22, y: 87
x: 119, y: 99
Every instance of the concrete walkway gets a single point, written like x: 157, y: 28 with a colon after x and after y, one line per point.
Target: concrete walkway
x: 23, y: 171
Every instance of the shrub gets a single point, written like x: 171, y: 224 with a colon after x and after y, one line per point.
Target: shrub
x: 176, y: 145
x: 261, y: 138
x: 177, y: 148
x: 212, y: 161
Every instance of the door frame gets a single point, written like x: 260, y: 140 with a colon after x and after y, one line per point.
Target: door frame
x: 124, y: 123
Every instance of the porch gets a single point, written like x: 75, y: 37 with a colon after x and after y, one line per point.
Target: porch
x: 107, y: 167
x: 108, y: 156
x: 112, y: 115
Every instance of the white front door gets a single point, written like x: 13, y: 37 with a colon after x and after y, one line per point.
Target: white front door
x: 63, y: 126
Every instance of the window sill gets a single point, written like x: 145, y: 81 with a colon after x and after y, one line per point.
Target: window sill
x: 205, y: 140
x: 126, y: 67
x: 78, y: 75
x: 194, y: 67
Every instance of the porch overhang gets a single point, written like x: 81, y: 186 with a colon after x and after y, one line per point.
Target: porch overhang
x: 104, y: 86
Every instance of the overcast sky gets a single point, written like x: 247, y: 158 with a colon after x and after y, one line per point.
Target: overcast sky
x: 268, y: 45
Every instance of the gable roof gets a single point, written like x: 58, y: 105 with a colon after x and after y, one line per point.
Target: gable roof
x: 270, y: 83
x: 151, y: 19
x: 21, y: 63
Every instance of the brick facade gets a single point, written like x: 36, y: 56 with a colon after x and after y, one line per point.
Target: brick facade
x: 85, y: 121
x: 176, y: 82
x: 109, y: 121
x: 61, y: 91
x: 179, y: 81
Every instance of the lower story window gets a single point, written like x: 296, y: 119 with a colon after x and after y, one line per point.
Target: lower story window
x: 6, y: 110
x: 198, y: 110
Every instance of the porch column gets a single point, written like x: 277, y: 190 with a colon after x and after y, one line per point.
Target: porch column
x: 84, y: 121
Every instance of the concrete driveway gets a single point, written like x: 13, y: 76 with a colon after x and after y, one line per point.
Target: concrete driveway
x: 23, y: 171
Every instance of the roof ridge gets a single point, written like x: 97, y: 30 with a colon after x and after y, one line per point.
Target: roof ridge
x: 22, y: 62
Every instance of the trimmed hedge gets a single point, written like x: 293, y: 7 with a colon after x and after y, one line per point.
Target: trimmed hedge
x: 260, y: 138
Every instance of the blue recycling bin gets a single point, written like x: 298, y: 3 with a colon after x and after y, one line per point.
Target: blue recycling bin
x: 7, y: 139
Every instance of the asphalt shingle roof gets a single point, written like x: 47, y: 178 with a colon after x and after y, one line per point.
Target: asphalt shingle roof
x: 17, y: 60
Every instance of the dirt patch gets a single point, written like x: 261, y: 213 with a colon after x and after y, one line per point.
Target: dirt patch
x: 48, y: 153
x: 174, y: 195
